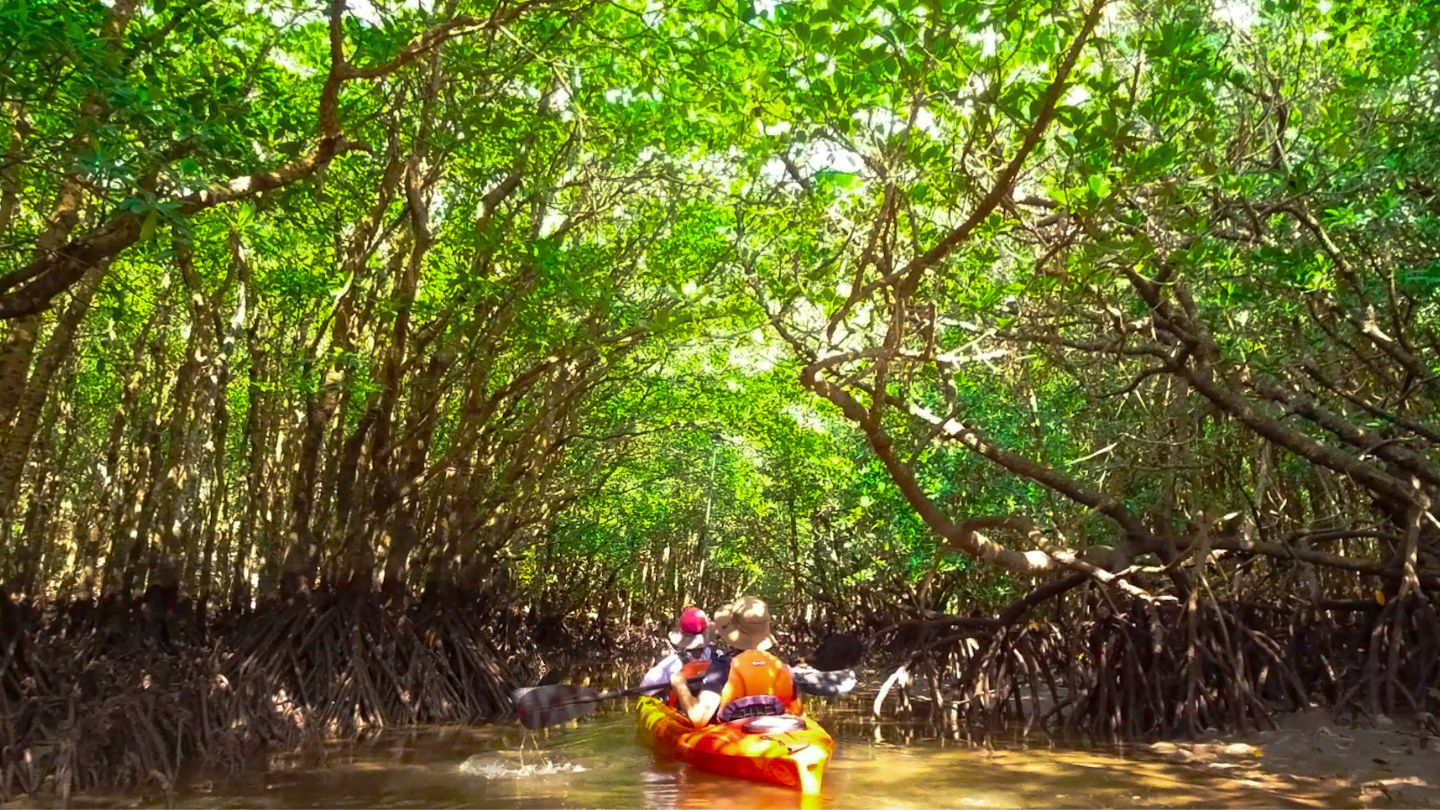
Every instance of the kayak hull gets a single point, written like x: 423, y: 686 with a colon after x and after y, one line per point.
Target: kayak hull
x: 793, y: 758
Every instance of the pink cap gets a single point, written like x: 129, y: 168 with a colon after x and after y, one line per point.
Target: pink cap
x: 693, y: 621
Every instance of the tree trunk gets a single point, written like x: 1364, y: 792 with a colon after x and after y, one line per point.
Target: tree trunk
x: 15, y: 448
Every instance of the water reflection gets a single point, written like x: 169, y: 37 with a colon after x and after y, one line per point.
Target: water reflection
x: 597, y: 763
x: 670, y: 784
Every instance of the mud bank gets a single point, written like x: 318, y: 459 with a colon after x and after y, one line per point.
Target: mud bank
x: 1320, y: 761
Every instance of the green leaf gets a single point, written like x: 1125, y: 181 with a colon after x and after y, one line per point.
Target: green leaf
x: 147, y: 228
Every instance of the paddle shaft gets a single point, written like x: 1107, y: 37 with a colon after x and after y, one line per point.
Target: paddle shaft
x: 693, y: 683
x: 542, y: 706
x: 813, y: 682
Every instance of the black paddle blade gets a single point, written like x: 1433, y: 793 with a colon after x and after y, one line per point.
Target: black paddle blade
x: 541, y: 706
x: 838, y: 651
x: 823, y: 683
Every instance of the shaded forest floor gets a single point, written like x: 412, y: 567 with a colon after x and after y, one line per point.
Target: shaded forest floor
x: 140, y: 697
x: 1312, y: 758
x: 144, y: 699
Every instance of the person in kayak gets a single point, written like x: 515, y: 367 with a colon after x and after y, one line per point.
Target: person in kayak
x: 690, y: 655
x: 745, y: 679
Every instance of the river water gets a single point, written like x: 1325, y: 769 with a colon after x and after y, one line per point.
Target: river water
x: 597, y: 763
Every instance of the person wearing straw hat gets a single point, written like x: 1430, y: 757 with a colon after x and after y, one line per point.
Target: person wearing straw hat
x: 691, y: 649
x: 746, y: 679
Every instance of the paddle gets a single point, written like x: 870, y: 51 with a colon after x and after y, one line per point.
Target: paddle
x: 542, y: 706
x: 824, y: 683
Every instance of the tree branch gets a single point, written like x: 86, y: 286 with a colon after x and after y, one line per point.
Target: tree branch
x: 910, y: 273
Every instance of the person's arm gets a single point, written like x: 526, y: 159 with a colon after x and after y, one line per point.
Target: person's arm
x: 659, y: 675
x: 789, y: 687
x: 706, y: 704
x: 698, y: 709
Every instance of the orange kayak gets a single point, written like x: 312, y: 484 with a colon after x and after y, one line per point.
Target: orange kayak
x: 788, y: 751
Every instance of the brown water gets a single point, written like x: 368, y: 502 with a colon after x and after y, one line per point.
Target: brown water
x: 597, y: 763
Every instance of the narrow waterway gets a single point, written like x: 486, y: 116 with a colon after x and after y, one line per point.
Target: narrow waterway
x: 597, y: 763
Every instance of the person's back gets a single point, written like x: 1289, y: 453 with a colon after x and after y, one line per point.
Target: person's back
x: 750, y: 681
x: 758, y: 674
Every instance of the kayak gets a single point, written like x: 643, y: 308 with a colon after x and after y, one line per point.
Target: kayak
x: 780, y: 750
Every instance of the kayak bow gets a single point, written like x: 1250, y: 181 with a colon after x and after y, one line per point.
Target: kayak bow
x: 788, y: 751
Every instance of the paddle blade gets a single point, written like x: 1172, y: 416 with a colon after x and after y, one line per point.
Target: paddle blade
x: 837, y: 651
x: 541, y: 706
x: 822, y: 682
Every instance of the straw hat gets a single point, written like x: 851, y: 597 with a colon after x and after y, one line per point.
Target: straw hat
x: 745, y: 624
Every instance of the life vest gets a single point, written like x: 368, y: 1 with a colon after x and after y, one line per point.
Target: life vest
x: 692, y: 669
x: 753, y: 672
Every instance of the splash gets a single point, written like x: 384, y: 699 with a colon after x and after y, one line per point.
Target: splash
x: 491, y: 767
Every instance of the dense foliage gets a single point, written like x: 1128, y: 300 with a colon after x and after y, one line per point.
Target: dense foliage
x: 881, y: 309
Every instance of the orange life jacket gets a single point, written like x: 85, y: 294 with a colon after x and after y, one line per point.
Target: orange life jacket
x: 692, y: 669
x: 753, y: 672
